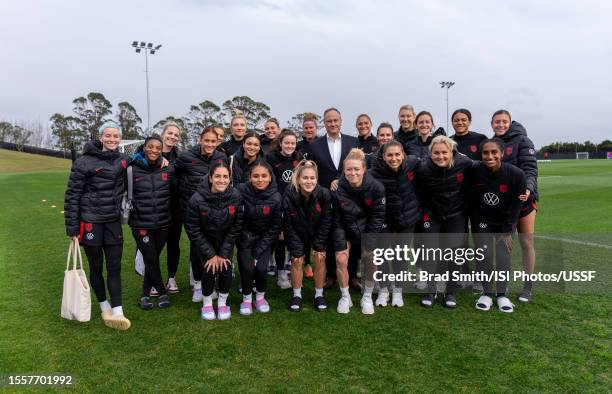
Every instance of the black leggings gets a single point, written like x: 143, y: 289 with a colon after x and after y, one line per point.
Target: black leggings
x: 95, y: 257
x: 486, y: 236
x: 208, y: 280
x: 151, y: 243
x: 442, y: 234
x: 250, y: 271
x: 194, y: 260
x: 174, y: 249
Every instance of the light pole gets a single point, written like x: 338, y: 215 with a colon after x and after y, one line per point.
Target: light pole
x: 446, y: 85
x: 148, y: 48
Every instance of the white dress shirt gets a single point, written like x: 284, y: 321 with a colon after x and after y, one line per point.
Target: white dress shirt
x: 335, y: 149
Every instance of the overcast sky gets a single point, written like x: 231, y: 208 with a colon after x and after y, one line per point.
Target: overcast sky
x: 548, y: 61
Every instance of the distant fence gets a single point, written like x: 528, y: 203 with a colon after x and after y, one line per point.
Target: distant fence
x: 571, y: 155
x: 35, y: 150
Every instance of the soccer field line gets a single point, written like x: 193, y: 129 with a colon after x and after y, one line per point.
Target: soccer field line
x: 573, y: 241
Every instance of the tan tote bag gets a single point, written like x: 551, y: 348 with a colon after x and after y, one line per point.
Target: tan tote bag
x: 76, y: 299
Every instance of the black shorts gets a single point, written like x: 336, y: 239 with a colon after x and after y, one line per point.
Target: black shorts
x: 528, y: 206
x: 99, y: 234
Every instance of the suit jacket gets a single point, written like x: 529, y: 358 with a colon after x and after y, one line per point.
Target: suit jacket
x: 319, y: 153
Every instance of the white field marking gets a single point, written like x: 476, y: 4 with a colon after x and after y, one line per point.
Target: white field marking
x: 43, y: 200
x: 573, y: 241
x: 61, y: 211
x: 549, y: 176
x: 53, y: 206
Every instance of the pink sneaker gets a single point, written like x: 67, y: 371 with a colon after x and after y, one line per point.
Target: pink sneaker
x: 224, y: 312
x: 262, y: 306
x: 246, y: 308
x: 208, y: 313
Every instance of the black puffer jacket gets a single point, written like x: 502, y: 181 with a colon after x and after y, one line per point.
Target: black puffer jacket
x: 519, y: 150
x: 95, y: 187
x: 358, y: 210
x: 263, y: 218
x: 368, y: 145
x: 191, y: 167
x: 172, y: 154
x: 153, y: 187
x: 420, y: 148
x: 442, y: 190
x: 283, y: 167
x: 240, y: 167
x: 403, y: 206
x: 303, y: 147
x: 230, y: 146
x: 214, y: 221
x: 307, y: 221
x: 469, y: 144
x: 405, y: 137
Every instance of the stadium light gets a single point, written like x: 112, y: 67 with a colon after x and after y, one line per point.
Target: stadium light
x: 148, y: 50
x: 447, y: 85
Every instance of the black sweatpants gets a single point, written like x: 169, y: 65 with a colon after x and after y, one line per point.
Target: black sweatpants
x: 488, y: 237
x: 173, y: 248
x: 194, y: 260
x: 249, y: 270
x: 208, y: 280
x: 151, y: 243
x: 442, y: 234
x: 95, y: 257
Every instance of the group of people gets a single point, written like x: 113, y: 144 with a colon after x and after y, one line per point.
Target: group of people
x: 274, y: 194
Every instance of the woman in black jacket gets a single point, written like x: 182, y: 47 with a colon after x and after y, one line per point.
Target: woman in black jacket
x: 406, y: 133
x: 213, y: 223
x: 359, y: 210
x: 468, y: 142
x: 519, y: 151
x: 283, y: 162
x: 441, y: 187
x: 424, y: 125
x: 191, y: 168
x: 245, y: 157
x: 151, y: 214
x: 494, y: 208
x: 403, y: 210
x: 307, y: 210
x: 260, y: 228
x: 92, y: 214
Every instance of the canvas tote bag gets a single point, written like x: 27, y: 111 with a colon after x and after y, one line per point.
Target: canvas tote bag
x: 76, y: 298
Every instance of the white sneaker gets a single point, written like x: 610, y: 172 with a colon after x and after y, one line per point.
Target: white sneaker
x: 197, y: 293
x: 344, y: 304
x: 283, y: 280
x: 224, y: 312
x: 397, y: 299
x: 383, y: 297
x: 172, y: 286
x: 367, y: 307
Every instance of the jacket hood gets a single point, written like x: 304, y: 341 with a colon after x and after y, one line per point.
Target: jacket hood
x: 204, y: 191
x: 216, y: 155
x: 350, y: 190
x: 94, y: 148
x: 516, y: 129
x: 250, y: 194
x: 141, y: 161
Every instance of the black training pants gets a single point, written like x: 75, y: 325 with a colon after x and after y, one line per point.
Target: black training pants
x: 151, y: 243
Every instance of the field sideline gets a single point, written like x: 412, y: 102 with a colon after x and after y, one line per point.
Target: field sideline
x: 560, y: 342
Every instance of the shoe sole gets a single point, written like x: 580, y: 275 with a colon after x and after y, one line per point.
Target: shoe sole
x: 118, y: 324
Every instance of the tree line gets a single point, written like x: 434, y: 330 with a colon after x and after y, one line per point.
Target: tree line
x: 569, y: 147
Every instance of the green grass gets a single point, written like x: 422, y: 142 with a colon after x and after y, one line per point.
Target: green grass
x: 560, y: 342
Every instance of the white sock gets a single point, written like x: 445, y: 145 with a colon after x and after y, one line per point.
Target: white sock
x: 222, y: 299
x: 344, y: 291
x: 247, y: 297
x: 197, y: 285
x: 318, y: 292
x: 383, y: 290
x: 105, y: 306
x: 397, y: 289
x: 297, y: 292
x: 367, y: 291
x: 260, y: 296
x: 207, y: 300
x: 118, y: 311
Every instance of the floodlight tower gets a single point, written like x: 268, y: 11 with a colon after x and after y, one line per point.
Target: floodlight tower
x: 447, y: 85
x: 148, y: 49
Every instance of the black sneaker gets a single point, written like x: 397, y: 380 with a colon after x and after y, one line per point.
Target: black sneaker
x: 525, y: 296
x: 320, y: 304
x: 145, y: 303
x: 450, y: 301
x: 428, y: 300
x: 272, y: 270
x: 164, y: 301
x: 296, y: 304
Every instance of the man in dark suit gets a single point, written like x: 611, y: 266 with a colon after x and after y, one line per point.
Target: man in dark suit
x: 329, y: 153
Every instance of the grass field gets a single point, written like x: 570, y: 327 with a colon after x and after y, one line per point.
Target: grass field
x: 558, y: 343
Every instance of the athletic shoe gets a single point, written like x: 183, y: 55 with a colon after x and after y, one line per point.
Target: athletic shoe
x: 118, y: 322
x: 383, y: 297
x: 428, y: 300
x: 296, y: 304
x: 164, y: 301
x: 450, y: 301
x: 208, y: 313
x: 153, y: 292
x: 283, y: 280
x: 308, y: 272
x: 367, y: 307
x: 272, y: 270
x: 262, y: 306
x: 477, y: 288
x: 320, y: 304
x: 145, y: 304
x: 504, y: 305
x: 197, y: 295
x: 246, y: 308
x: 224, y: 312
x: 484, y: 303
x: 525, y: 296
x: 397, y: 299
x: 106, y: 314
x: 171, y: 286
x: 344, y: 304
